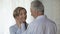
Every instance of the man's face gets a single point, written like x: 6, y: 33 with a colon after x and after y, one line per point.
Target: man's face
x: 33, y: 13
x: 22, y: 15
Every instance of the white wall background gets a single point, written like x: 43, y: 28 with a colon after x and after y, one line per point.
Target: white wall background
x: 52, y: 10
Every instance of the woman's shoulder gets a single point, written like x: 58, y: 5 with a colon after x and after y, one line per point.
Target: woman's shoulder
x: 13, y: 26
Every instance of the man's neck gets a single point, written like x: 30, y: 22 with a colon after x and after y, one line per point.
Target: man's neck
x: 37, y: 16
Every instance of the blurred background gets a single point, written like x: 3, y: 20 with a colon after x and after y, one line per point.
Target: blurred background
x: 52, y: 10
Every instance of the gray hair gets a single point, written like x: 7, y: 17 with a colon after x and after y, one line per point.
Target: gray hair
x: 37, y: 5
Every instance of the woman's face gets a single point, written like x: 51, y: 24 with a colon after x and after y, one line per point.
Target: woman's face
x: 22, y: 16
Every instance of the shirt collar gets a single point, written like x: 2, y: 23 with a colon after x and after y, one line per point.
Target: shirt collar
x: 42, y: 16
x: 21, y: 25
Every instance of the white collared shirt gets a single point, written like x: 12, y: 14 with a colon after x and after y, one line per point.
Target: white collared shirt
x: 41, y: 25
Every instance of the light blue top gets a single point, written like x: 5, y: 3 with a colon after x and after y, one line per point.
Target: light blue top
x: 15, y: 30
x: 41, y: 25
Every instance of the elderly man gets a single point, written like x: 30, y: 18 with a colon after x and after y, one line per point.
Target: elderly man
x: 41, y: 24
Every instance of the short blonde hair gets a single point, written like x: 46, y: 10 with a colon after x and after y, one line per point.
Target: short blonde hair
x: 17, y: 11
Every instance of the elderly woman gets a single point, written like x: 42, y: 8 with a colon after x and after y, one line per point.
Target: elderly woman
x: 20, y: 15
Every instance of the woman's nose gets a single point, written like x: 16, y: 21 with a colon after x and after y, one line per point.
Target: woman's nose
x: 24, y: 15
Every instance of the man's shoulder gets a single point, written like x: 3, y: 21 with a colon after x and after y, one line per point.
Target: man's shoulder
x: 50, y: 21
x: 45, y: 21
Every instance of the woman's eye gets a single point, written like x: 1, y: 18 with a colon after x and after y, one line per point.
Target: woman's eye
x: 20, y: 14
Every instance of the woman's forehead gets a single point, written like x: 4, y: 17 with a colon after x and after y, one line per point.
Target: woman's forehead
x: 23, y: 11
